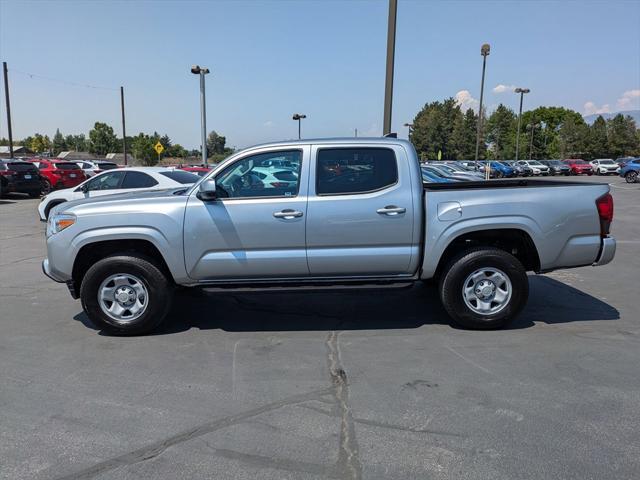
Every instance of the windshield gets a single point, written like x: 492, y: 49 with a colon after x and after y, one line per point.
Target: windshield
x: 66, y: 166
x: 579, y: 162
x: 21, y: 167
x: 185, y: 178
x: 607, y: 162
x: 536, y: 163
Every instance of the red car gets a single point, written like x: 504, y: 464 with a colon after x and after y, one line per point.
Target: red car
x: 200, y: 171
x: 579, y: 167
x: 57, y: 173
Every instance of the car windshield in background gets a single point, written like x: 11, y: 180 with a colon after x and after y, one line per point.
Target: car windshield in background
x: 66, y: 166
x: 107, y: 166
x: 184, y: 178
x: 536, y: 163
x: 21, y: 167
x: 607, y: 162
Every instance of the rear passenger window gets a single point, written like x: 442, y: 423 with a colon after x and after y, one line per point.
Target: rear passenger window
x: 138, y: 180
x: 343, y: 171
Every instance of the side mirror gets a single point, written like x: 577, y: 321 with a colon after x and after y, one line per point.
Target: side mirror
x: 207, y: 190
x: 85, y: 187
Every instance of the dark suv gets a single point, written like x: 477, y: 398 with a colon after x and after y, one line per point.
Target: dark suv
x: 19, y: 177
x: 556, y: 167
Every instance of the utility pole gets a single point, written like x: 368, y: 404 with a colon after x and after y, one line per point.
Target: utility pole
x: 6, y: 96
x: 484, y: 51
x: 391, y: 49
x: 124, y: 131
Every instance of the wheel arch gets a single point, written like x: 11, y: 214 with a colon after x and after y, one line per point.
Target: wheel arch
x: 515, y: 241
x: 92, y: 252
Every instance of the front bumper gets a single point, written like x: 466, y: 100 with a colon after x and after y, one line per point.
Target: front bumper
x: 607, y: 251
x: 46, y: 269
x: 71, y: 285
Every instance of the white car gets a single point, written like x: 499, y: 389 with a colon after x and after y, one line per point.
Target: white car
x: 604, y: 166
x: 118, y: 181
x: 536, y: 167
x: 93, y: 168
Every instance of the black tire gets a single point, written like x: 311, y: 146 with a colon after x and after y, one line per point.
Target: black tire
x: 46, y: 186
x: 459, y: 269
x: 50, y: 207
x: 158, y: 286
x: 631, y: 176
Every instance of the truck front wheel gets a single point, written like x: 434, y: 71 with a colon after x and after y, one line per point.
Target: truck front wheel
x: 126, y: 295
x: 484, y: 288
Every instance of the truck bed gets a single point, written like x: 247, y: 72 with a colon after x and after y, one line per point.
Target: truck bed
x: 507, y: 183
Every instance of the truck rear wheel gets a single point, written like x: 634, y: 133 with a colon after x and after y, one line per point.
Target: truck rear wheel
x: 126, y: 295
x: 484, y: 288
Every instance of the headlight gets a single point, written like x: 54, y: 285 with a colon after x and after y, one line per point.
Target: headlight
x: 58, y: 222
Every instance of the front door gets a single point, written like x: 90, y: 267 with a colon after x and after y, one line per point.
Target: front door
x: 255, y: 228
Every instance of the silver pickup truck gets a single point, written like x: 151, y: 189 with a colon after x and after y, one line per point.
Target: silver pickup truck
x: 329, y: 212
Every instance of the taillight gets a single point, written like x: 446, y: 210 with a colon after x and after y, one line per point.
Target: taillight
x: 279, y: 184
x: 604, y: 204
x: 7, y: 173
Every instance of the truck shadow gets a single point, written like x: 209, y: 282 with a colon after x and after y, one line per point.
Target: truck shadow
x: 550, y: 302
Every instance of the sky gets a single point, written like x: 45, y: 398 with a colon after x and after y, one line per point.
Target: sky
x: 326, y: 59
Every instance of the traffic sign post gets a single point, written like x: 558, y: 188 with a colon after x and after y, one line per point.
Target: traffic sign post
x: 159, y: 149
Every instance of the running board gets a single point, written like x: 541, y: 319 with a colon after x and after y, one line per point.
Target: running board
x: 305, y: 287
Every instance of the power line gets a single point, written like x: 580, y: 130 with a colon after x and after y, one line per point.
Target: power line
x: 66, y: 82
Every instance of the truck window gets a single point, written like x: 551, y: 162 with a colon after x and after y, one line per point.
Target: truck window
x: 343, y: 171
x: 260, y: 176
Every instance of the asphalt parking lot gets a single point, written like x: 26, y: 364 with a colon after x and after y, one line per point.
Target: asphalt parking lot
x: 349, y: 385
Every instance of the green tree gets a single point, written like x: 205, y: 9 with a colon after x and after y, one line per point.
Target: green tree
x: 142, y: 149
x: 40, y: 143
x: 433, y: 129
x: 572, y: 138
x: 597, y: 143
x: 59, y: 144
x: 622, y: 136
x: 501, y: 133
x: 463, y: 136
x: 215, y: 143
x: 102, y: 140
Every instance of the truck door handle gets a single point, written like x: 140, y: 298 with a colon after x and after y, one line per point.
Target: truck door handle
x: 287, y: 214
x: 391, y: 210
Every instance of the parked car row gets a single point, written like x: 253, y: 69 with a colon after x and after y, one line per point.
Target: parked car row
x: 125, y: 180
x: 41, y: 176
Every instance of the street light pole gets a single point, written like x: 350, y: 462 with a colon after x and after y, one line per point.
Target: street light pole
x: 6, y: 97
x: 299, y: 117
x: 391, y: 50
x: 124, y: 131
x: 484, y: 51
x: 197, y: 70
x: 410, y: 127
x: 521, y: 91
x: 533, y: 126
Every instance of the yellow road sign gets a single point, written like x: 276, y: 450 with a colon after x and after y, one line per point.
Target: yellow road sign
x: 158, y: 148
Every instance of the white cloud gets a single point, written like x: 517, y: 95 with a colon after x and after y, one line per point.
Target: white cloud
x: 268, y: 123
x: 500, y: 88
x: 591, y: 108
x: 629, y: 100
x: 466, y: 101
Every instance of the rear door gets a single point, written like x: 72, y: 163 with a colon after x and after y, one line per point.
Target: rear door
x: 360, y: 218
